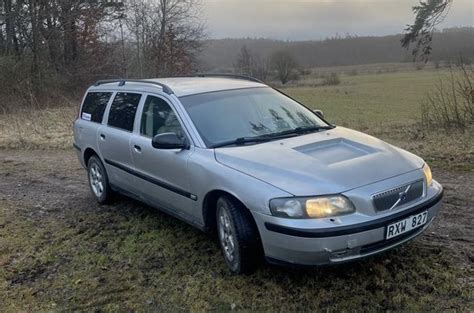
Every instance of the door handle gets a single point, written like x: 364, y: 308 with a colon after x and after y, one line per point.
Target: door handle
x: 102, y: 136
x: 137, y: 148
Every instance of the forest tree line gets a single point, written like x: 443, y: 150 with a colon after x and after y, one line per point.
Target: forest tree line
x: 46, y: 45
x: 449, y: 45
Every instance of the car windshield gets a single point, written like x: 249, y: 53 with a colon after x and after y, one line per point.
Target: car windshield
x: 228, y: 115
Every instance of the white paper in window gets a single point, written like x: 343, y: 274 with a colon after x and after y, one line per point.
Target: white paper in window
x: 86, y: 116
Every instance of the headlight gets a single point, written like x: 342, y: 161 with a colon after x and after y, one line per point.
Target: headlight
x: 313, y: 207
x: 428, y: 175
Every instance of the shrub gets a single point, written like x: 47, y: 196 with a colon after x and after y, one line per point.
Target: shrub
x: 304, y: 72
x: 21, y: 90
x: 451, y: 103
x: 419, y: 66
x: 331, y: 80
x: 353, y: 72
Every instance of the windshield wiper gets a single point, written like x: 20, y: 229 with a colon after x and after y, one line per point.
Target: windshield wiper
x: 310, y: 129
x: 241, y: 141
x: 298, y: 131
x: 269, y: 137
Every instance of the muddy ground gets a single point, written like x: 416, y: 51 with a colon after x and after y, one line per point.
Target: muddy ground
x: 59, y: 250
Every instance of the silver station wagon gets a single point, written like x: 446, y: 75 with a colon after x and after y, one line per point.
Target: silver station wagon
x: 273, y: 179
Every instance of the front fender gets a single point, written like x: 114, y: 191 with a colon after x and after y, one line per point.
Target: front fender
x: 206, y: 174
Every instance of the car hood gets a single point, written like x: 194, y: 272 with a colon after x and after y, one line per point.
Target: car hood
x: 325, y: 162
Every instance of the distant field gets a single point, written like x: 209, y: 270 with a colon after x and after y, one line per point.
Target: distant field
x: 373, y: 99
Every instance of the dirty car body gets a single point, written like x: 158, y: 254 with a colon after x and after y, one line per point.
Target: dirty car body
x: 313, y: 192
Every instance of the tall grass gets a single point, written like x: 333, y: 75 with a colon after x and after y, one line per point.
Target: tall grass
x: 35, y: 128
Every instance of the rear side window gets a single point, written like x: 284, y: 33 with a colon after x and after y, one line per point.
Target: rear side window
x: 94, y: 106
x: 123, y: 109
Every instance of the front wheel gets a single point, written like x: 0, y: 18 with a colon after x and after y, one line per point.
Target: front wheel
x: 238, y: 236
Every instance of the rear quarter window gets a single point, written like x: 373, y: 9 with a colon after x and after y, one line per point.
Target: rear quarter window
x: 94, y: 106
x: 123, y: 109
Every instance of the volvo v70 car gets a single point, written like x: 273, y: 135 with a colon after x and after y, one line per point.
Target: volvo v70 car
x: 270, y: 177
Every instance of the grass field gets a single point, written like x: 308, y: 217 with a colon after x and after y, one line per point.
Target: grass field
x: 371, y: 100
x: 60, y: 251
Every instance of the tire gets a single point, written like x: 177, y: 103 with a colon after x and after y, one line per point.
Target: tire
x: 238, y: 236
x: 99, y: 181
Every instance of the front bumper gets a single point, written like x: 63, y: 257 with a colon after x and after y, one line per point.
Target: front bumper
x: 332, y: 245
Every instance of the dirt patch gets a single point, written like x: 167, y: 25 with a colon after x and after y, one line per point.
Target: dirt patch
x: 60, y: 250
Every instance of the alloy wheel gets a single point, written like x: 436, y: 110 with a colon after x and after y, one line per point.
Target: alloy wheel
x: 226, y: 234
x: 96, y: 179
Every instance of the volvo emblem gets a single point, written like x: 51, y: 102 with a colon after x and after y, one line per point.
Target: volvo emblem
x: 402, y: 196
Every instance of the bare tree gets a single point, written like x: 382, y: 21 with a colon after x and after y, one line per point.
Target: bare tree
x: 428, y: 14
x: 251, y: 64
x: 284, y: 65
x: 167, y: 35
x: 244, y: 63
x: 262, y: 67
x: 11, y: 40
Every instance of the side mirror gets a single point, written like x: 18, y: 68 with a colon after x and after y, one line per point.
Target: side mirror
x: 169, y: 141
x: 319, y: 113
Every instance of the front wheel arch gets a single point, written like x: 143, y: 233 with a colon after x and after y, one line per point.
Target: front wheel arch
x: 209, y: 208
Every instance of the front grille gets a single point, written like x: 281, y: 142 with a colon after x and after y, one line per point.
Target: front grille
x: 399, y: 196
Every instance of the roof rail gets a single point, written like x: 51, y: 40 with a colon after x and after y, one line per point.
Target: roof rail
x: 166, y: 88
x: 236, y: 76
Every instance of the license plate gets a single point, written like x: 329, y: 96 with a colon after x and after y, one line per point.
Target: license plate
x: 403, y: 226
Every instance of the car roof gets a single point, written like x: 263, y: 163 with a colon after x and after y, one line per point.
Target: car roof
x: 181, y: 86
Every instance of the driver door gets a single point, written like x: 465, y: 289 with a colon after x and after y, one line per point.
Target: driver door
x: 162, y: 174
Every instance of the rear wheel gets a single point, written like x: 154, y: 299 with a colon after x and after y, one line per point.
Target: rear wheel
x: 238, y: 236
x: 99, y: 181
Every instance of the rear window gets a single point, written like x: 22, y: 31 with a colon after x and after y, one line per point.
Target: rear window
x: 123, y: 109
x: 94, y: 106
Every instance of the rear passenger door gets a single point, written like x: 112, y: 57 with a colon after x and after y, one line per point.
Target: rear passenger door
x: 90, y: 120
x: 163, y: 174
x: 114, y: 141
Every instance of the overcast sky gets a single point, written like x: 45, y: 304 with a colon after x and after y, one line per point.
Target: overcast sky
x: 318, y: 19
